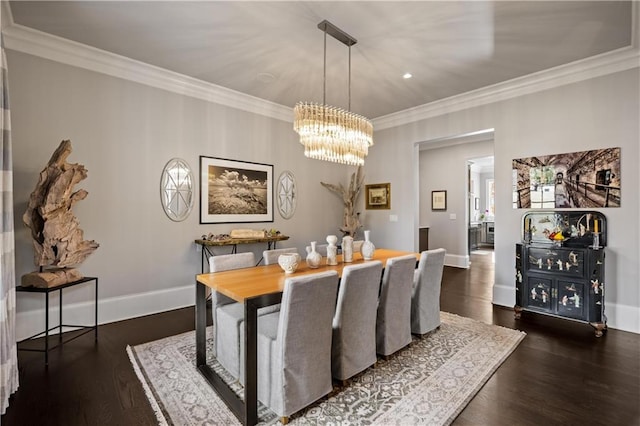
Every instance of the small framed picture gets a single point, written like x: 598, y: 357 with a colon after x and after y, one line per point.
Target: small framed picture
x: 439, y: 200
x: 378, y: 196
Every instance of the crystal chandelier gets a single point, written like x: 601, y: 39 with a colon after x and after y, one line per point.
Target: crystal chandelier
x: 331, y: 133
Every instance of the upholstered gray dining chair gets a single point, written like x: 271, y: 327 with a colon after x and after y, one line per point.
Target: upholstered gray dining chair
x: 353, y: 347
x: 294, y: 345
x: 393, y: 324
x: 425, y: 300
x: 220, y: 302
x: 270, y: 257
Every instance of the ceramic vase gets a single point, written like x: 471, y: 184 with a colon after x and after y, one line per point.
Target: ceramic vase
x: 347, y: 249
x: 289, y: 262
x: 332, y: 250
x: 367, y: 248
x: 313, y: 257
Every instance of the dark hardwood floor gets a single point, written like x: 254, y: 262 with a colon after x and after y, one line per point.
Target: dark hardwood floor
x: 559, y: 375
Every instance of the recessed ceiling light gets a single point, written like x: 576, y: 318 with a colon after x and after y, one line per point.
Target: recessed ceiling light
x: 407, y: 75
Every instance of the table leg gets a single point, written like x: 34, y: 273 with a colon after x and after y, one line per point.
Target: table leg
x: 96, y: 322
x: 60, y: 317
x: 46, y: 330
x: 201, y: 325
x: 251, y: 363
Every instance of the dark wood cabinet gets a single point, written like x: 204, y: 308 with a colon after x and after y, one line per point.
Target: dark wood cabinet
x: 423, y: 238
x: 563, y: 282
x: 560, y: 266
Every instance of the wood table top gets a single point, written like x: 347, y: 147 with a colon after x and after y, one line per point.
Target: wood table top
x: 240, y: 284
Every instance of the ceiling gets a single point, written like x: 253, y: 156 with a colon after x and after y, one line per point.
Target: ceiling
x: 274, y: 50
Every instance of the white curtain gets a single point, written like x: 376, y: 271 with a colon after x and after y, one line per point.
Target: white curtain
x: 8, y: 349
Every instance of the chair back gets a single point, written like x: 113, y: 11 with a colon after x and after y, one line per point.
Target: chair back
x: 354, y: 323
x: 393, y: 324
x: 425, y: 301
x: 271, y: 256
x: 227, y: 262
x: 320, y: 248
x: 303, y: 343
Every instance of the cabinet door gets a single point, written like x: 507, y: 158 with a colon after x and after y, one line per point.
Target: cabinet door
x: 571, y: 299
x: 538, y: 293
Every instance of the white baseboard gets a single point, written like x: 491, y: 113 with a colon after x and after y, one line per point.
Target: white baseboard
x: 109, y: 310
x: 619, y: 317
x: 456, y: 261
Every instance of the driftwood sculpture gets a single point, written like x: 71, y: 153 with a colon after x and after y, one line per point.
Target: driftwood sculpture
x: 58, y: 241
x: 351, y: 220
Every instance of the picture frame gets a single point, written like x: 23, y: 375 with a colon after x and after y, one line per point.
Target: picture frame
x: 378, y: 196
x: 233, y: 191
x: 439, y: 200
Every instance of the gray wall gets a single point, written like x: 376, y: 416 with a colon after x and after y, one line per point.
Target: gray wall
x: 124, y: 133
x: 596, y: 113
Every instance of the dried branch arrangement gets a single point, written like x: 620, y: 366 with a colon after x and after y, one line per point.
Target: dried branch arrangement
x: 58, y: 241
x: 351, y: 220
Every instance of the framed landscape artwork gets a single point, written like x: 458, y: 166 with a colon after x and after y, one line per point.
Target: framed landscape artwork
x: 235, y: 191
x: 378, y: 196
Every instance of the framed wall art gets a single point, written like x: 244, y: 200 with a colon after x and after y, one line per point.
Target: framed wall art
x: 235, y: 191
x: 439, y: 200
x: 583, y: 179
x: 378, y: 196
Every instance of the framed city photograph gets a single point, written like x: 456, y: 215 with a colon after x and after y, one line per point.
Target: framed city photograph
x: 378, y: 196
x: 439, y: 200
x: 235, y: 191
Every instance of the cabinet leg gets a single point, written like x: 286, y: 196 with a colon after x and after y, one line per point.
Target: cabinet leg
x: 518, y: 312
x: 600, y: 327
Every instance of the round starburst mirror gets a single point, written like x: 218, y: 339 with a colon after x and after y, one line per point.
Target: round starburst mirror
x: 176, y: 189
x: 286, y: 194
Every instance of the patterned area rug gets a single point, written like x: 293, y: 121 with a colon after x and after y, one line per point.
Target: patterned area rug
x: 429, y: 382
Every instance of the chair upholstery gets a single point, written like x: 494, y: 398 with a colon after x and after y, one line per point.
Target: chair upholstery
x: 354, y: 324
x: 393, y: 324
x: 219, y: 301
x: 425, y: 300
x: 294, y: 344
x: 320, y: 248
x: 271, y: 256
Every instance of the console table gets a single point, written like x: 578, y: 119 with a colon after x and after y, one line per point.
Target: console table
x: 233, y: 242
x: 47, y: 329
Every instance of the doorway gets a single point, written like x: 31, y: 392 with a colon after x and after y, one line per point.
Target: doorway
x: 481, y: 202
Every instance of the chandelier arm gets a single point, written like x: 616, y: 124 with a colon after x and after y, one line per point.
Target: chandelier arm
x: 349, y: 107
x: 324, y: 70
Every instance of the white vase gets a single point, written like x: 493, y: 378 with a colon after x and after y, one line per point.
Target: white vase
x: 289, y: 262
x: 332, y: 250
x: 313, y: 257
x: 367, y: 248
x: 347, y: 249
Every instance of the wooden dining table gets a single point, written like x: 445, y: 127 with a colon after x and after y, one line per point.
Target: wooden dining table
x: 255, y: 287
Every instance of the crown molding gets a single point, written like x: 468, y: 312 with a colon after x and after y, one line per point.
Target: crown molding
x: 584, y: 69
x: 596, y: 66
x: 27, y: 40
